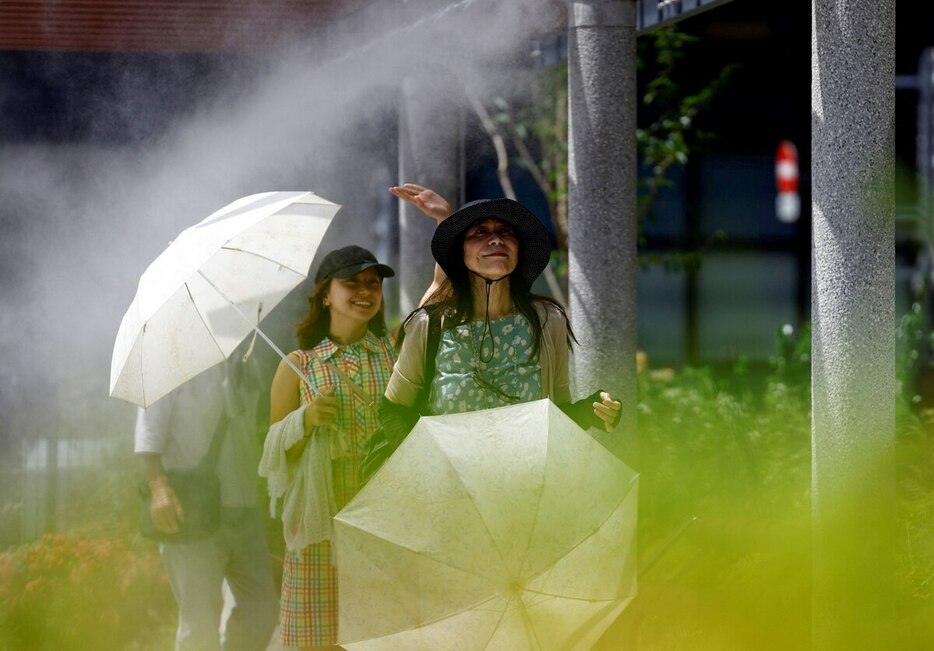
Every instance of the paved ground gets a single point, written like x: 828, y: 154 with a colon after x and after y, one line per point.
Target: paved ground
x: 274, y: 643
x: 274, y: 640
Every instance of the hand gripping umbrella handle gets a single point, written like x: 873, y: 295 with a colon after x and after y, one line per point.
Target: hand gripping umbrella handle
x: 262, y: 334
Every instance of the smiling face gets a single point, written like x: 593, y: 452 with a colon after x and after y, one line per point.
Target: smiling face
x: 491, y: 249
x: 355, y: 299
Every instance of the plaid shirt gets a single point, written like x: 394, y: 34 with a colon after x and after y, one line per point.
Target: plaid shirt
x: 368, y: 362
x: 308, y: 607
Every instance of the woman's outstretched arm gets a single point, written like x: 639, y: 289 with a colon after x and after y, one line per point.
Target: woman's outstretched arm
x: 433, y: 205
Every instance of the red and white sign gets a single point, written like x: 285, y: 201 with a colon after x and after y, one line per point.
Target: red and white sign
x: 787, y: 201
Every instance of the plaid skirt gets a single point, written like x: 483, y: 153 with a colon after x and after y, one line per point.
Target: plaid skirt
x: 308, y: 603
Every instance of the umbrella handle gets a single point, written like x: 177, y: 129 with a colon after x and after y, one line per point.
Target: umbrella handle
x: 645, y: 567
x: 262, y: 334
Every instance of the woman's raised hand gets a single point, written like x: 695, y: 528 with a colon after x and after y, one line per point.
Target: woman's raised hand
x: 428, y: 201
x: 607, y: 410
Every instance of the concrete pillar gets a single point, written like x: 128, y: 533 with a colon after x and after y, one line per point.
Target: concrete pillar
x: 853, y: 312
x: 602, y: 227
x: 429, y: 155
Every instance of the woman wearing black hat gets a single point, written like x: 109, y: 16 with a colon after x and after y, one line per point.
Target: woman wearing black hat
x: 313, y: 452
x: 499, y: 343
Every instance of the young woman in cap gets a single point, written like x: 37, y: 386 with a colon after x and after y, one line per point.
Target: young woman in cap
x: 499, y: 344
x: 314, y: 448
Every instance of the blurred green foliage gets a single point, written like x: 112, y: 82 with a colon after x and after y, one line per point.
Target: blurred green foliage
x: 725, y: 510
x: 733, y: 465
x: 84, y: 591
x: 96, y: 584
x: 723, y: 535
x: 915, y: 467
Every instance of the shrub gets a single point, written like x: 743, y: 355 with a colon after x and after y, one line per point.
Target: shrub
x: 81, y: 591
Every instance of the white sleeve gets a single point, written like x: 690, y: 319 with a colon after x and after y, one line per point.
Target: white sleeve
x: 152, y: 427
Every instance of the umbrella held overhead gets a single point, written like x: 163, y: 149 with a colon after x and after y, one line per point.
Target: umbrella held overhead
x: 210, y: 288
x: 508, y: 528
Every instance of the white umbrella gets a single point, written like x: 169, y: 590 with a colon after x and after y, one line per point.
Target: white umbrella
x: 508, y: 529
x: 208, y: 290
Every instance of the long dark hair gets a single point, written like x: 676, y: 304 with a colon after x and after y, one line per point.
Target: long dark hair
x: 455, y: 298
x: 312, y: 330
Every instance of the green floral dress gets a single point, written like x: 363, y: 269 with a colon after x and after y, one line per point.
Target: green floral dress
x: 481, y: 365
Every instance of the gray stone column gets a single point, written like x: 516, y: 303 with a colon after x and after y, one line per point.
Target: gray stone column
x: 602, y: 225
x: 853, y: 312
x: 429, y: 155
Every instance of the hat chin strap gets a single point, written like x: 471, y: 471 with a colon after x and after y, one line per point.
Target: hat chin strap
x: 487, y: 327
x: 489, y: 281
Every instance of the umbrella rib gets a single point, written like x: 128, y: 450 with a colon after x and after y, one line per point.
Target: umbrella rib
x: 489, y: 640
x: 414, y: 551
x: 201, y: 317
x: 570, y: 598
x: 264, y: 257
x: 475, y: 606
x: 502, y: 616
x: 610, y: 513
x: 538, y: 511
x: 142, y: 377
x: 473, y: 504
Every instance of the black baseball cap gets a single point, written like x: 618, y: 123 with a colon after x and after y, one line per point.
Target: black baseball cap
x: 348, y: 261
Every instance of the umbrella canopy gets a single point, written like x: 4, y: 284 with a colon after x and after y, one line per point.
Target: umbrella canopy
x: 507, y: 529
x: 208, y: 290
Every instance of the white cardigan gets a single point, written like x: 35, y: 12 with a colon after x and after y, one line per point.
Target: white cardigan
x: 305, y: 484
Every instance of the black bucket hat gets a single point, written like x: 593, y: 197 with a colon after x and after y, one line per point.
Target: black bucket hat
x: 534, y: 244
x: 348, y: 261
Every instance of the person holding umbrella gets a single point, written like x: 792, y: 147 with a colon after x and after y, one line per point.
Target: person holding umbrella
x: 500, y: 344
x: 211, y: 420
x: 313, y: 451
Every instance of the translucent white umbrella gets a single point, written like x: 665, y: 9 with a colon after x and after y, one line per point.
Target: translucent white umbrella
x: 506, y: 529
x: 209, y: 289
